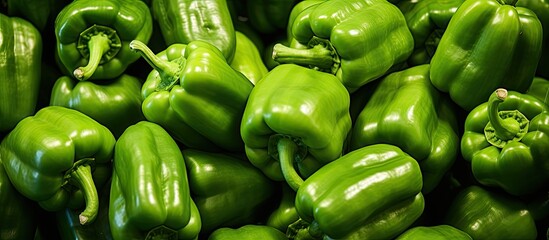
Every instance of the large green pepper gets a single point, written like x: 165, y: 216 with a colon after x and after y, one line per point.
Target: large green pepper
x: 487, y: 44
x: 247, y: 59
x: 484, y: 214
x: 405, y: 110
x: 20, y: 65
x: 294, y: 116
x: 371, y: 193
x: 358, y: 41
x: 195, y: 94
x: 541, y: 8
x: 17, y: 220
x: 438, y: 232
x: 285, y: 214
x: 93, y: 36
x: 427, y: 21
x: 39, y: 12
x: 506, y: 140
x: 150, y: 196
x: 227, y: 190
x: 115, y: 103
x: 57, y: 156
x: 248, y: 232
x: 184, y: 21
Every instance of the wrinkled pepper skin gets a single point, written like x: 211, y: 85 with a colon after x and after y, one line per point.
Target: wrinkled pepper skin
x: 497, y: 37
x: 539, y: 89
x: 295, y: 115
x: 489, y: 215
x: 20, y: 66
x: 248, y: 232
x: 59, y: 157
x: 160, y: 209
x: 184, y: 21
x: 247, y: 59
x: 505, y: 139
x: 195, y: 94
x: 227, y: 190
x: 16, y: 214
x: 405, y: 110
x: 332, y: 30
x: 427, y: 21
x: 439, y: 232
x: 92, y: 36
x: 114, y: 103
x: 541, y: 8
x: 371, y: 193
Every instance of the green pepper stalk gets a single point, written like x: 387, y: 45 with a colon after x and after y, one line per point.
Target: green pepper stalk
x: 500, y: 131
x: 101, y: 42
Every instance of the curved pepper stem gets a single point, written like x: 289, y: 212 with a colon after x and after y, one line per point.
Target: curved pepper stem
x: 320, y: 55
x: 503, y: 126
x: 169, y: 71
x: 97, y: 45
x: 82, y: 177
x: 287, y: 149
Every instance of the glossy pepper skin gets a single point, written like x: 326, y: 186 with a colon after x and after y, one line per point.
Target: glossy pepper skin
x: 150, y: 196
x: 57, y: 155
x: 427, y: 21
x: 344, y: 38
x: 495, y: 36
x: 438, y: 232
x: 506, y: 140
x: 16, y: 215
x: 20, y: 66
x: 285, y: 214
x: 92, y: 36
x: 184, y: 21
x: 371, y: 193
x: 247, y: 59
x: 195, y: 94
x: 484, y: 214
x: 114, y: 103
x: 295, y: 116
x: 541, y: 8
x: 227, y: 190
x: 405, y: 110
x: 539, y: 89
x: 248, y: 232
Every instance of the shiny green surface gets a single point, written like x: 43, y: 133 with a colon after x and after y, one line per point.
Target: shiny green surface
x: 248, y: 232
x: 541, y: 8
x: 247, y: 59
x: 439, y: 232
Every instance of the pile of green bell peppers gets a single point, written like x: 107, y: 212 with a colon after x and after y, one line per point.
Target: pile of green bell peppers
x: 274, y: 119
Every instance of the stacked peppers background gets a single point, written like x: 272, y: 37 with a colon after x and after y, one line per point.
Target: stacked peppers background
x: 274, y: 119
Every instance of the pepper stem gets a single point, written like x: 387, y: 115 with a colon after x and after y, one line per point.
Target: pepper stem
x: 98, y: 45
x: 82, y: 177
x: 287, y: 149
x: 503, y: 126
x: 169, y: 71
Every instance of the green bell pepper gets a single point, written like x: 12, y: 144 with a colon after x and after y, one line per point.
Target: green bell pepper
x: 248, y: 232
x: 195, y: 94
x: 285, y: 213
x: 295, y: 116
x: 371, y: 193
x: 247, y: 59
x: 487, y: 44
x: 227, y: 190
x: 17, y: 219
x: 58, y: 157
x: 39, y: 12
x: 358, y: 41
x: 93, y: 35
x: 20, y: 65
x: 484, y: 214
x: 539, y: 89
x: 438, y: 232
x: 541, y: 8
x: 405, y: 110
x: 506, y: 140
x: 114, y: 103
x: 269, y: 16
x: 150, y: 196
x: 184, y: 21
x: 427, y: 21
